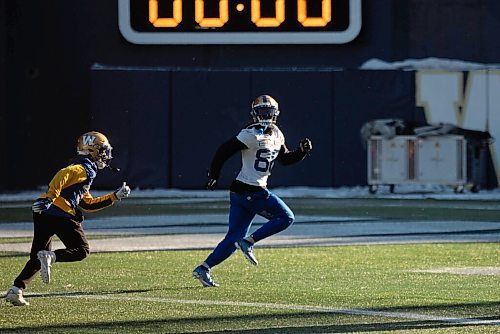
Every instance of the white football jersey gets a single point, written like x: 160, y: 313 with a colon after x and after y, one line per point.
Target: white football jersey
x: 257, y: 161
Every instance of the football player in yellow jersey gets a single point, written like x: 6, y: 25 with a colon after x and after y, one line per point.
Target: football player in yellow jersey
x: 58, y: 212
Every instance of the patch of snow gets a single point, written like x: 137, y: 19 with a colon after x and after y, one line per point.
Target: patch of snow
x: 484, y: 271
x: 427, y: 64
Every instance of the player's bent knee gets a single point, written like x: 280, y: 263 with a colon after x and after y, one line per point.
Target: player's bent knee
x: 286, y: 221
x: 290, y: 219
x: 82, y: 253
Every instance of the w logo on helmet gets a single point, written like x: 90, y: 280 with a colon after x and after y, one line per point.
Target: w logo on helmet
x: 88, y: 140
x: 95, y: 145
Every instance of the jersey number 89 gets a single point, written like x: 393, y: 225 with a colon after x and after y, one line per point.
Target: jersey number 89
x: 264, y: 160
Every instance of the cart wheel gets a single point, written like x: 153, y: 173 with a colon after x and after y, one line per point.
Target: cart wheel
x: 391, y: 188
x: 459, y: 189
x: 474, y: 188
x: 372, y: 189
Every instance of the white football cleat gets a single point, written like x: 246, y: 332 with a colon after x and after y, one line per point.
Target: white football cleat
x: 247, y: 249
x: 15, y: 297
x: 203, y: 275
x: 46, y: 259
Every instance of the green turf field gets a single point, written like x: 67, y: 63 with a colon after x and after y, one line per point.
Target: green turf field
x: 293, y: 290
x: 356, y: 289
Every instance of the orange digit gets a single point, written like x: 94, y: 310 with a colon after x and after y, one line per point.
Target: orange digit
x: 326, y: 14
x: 214, y: 22
x: 260, y: 21
x: 165, y: 21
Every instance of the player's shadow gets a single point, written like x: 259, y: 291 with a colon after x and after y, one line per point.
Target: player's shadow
x: 338, y: 325
x: 82, y: 294
x: 353, y: 328
x: 281, y: 322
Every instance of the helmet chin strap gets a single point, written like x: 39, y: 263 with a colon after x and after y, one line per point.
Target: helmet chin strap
x: 114, y: 169
x: 100, y: 164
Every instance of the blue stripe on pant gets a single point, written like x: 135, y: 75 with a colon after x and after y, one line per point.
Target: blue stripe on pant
x: 243, y: 209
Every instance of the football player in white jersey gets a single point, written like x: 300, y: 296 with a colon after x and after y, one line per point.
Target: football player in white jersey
x: 260, y: 144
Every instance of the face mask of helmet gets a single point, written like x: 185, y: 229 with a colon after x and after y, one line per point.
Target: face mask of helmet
x: 265, y: 115
x: 104, y: 157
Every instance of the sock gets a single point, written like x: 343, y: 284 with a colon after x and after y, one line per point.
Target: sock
x: 53, y: 255
x: 15, y: 289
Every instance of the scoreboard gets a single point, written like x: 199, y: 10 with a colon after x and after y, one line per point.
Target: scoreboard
x: 239, y: 21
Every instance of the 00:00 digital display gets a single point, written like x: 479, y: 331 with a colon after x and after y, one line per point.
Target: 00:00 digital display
x: 239, y: 21
x: 275, y: 19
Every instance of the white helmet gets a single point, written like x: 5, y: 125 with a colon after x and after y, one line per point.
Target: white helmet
x: 265, y: 110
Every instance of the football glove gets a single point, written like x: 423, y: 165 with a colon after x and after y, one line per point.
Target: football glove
x: 211, y: 183
x: 41, y: 205
x: 305, y: 145
x: 123, y: 191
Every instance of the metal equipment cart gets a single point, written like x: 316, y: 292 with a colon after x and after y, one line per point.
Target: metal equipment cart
x: 417, y: 160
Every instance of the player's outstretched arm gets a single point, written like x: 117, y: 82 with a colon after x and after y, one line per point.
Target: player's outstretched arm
x: 305, y: 145
x: 91, y: 204
x: 286, y: 157
x: 122, y: 192
x: 211, y: 183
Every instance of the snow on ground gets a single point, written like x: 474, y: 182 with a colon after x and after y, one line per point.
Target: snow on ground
x: 484, y: 271
x: 430, y: 63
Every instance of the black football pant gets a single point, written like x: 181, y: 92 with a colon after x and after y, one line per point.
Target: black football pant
x: 69, y: 231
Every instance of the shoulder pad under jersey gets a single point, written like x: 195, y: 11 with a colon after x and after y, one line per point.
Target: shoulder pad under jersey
x: 254, y: 126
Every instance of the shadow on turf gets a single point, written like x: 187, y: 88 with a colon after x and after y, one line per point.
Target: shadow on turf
x: 97, y: 293
x: 194, y: 324
x: 14, y: 254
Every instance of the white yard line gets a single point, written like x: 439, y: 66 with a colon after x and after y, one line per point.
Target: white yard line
x: 320, y: 309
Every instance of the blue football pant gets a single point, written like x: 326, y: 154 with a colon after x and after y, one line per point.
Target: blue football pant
x: 243, y: 209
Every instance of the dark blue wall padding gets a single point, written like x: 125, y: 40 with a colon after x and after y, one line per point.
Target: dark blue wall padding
x: 166, y: 125
x: 208, y: 108
x: 305, y: 100
x: 361, y: 96
x: 132, y: 109
x: 47, y: 51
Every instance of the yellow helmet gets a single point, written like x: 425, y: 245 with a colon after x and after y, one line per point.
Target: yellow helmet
x: 95, y: 145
